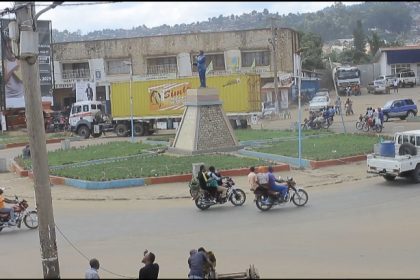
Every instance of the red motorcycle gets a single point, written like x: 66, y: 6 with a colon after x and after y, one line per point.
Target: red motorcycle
x: 22, y: 213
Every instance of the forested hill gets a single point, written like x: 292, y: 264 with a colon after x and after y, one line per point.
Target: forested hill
x: 391, y: 20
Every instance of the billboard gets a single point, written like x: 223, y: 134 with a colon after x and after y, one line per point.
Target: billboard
x: 85, y: 91
x: 13, y: 89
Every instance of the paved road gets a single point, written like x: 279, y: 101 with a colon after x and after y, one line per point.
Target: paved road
x: 367, y: 228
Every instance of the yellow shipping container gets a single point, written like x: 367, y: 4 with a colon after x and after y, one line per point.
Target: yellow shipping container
x: 239, y: 93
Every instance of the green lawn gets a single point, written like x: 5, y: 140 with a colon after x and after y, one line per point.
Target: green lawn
x: 259, y: 134
x: 9, y: 139
x: 328, y: 147
x: 92, y: 152
x: 160, y: 165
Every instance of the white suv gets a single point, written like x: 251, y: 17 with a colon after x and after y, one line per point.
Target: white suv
x: 405, y: 78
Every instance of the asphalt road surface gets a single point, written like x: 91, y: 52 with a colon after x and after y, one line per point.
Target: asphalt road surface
x: 369, y: 228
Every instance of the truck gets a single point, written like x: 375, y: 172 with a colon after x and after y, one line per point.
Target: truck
x: 159, y: 104
x: 346, y: 76
x: 399, y: 157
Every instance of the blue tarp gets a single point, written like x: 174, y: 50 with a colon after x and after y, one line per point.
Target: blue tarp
x: 403, y: 56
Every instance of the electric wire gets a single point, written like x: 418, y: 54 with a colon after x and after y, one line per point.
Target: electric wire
x: 86, y: 257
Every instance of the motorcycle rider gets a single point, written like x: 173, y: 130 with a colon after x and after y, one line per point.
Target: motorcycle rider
x: 282, y: 189
x: 202, y: 180
x: 10, y: 211
x: 212, y: 175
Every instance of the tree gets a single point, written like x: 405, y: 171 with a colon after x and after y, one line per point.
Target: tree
x: 359, y: 42
x: 312, y: 54
x: 265, y: 12
x: 375, y: 43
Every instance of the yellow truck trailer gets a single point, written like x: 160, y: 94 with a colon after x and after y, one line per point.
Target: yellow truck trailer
x: 159, y: 104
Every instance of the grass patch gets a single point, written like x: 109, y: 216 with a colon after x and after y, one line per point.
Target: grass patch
x: 12, y: 139
x: 165, y: 138
x: 159, y: 165
x: 91, y: 152
x: 260, y: 134
x: 328, y: 147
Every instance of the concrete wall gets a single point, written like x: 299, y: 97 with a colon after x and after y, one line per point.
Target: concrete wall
x: 369, y: 72
x: 139, y: 49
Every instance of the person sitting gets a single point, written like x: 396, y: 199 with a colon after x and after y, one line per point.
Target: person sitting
x: 202, y: 180
x: 10, y: 211
x: 212, y: 176
x: 282, y: 189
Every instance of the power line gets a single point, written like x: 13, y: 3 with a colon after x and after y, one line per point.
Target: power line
x: 86, y: 257
x: 81, y: 3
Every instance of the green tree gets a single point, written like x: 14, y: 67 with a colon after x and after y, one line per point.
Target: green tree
x: 375, y: 43
x: 312, y: 54
x: 359, y: 42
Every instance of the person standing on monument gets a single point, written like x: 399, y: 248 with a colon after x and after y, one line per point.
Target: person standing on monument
x: 201, y: 66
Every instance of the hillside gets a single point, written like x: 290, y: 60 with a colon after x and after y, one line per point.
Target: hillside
x: 391, y: 20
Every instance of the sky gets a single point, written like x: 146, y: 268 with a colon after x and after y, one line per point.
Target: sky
x: 126, y: 15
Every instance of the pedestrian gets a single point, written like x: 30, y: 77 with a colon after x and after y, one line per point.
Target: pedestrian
x: 338, y: 105
x: 197, y: 262
x: 92, y: 272
x: 150, y: 270
x: 395, y: 86
x: 381, y: 117
x: 252, y: 179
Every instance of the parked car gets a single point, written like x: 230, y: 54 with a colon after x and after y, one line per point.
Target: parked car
x: 399, y: 108
x: 319, y: 102
x: 323, y: 92
x: 406, y: 78
x: 378, y: 86
x: 387, y: 80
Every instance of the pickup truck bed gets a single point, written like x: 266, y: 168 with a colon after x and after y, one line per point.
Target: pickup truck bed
x: 392, y: 166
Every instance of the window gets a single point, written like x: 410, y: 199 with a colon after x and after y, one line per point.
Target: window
x: 262, y: 58
x: 397, y: 68
x: 417, y: 140
x: 405, y: 138
x: 99, y: 107
x: 85, y: 108
x: 76, y: 109
x: 409, y: 102
x: 93, y: 106
x: 116, y: 67
x: 217, y: 59
x: 162, y: 65
x: 76, y: 70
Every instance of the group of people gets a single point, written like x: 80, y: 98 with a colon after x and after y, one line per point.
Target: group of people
x: 211, y: 181
x: 254, y: 183
x: 200, y: 262
x: 150, y: 270
x: 353, y: 90
x: 7, y: 210
x: 377, y: 115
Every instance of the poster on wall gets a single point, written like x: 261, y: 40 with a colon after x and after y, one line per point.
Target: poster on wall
x: 168, y: 97
x: 85, y: 91
x: 13, y: 93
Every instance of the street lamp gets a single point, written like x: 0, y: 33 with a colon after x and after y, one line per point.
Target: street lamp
x: 131, y: 99
x: 298, y: 53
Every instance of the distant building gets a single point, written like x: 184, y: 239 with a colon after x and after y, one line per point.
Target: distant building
x: 169, y: 56
x: 393, y: 60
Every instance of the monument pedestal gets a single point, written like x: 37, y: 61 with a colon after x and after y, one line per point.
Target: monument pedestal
x: 205, y: 127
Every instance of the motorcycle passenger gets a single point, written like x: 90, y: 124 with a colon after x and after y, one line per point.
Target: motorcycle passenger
x: 202, y: 180
x: 10, y: 211
x: 282, y: 189
x: 212, y: 175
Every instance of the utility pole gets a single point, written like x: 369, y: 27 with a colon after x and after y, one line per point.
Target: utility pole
x: 273, y: 42
x: 26, y: 20
x: 336, y: 92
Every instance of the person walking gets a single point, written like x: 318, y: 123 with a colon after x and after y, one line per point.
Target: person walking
x: 150, y: 270
x: 395, y: 84
x: 92, y: 272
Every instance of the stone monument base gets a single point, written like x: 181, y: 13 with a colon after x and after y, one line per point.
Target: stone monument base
x: 204, y: 127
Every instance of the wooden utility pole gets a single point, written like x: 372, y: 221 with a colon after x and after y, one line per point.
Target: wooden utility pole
x: 25, y: 13
x: 273, y: 42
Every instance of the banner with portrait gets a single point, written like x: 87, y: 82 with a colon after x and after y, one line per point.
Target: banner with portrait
x: 12, y: 95
x: 85, y: 91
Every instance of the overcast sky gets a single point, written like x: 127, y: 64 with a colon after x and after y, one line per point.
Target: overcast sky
x: 131, y: 14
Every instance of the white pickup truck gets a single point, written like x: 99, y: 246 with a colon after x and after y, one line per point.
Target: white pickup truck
x: 403, y: 162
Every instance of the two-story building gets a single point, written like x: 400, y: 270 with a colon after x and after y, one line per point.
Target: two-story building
x: 169, y: 56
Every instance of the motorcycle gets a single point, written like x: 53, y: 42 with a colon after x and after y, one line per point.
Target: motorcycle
x: 265, y: 198
x: 29, y: 217
x: 204, y: 199
x: 370, y: 124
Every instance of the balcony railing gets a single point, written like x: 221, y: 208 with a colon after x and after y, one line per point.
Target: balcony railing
x: 162, y: 69
x: 76, y: 74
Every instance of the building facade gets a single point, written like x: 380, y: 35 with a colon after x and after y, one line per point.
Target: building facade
x: 394, y: 60
x: 102, y: 62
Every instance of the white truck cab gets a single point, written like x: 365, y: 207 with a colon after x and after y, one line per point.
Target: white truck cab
x: 400, y: 158
x: 83, y: 118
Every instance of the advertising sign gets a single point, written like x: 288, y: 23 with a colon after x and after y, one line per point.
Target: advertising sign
x: 169, y: 96
x: 13, y: 93
x: 85, y: 91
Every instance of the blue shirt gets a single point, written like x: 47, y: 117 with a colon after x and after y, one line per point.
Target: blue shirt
x: 201, y: 62
x: 271, y: 179
x: 196, y: 263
